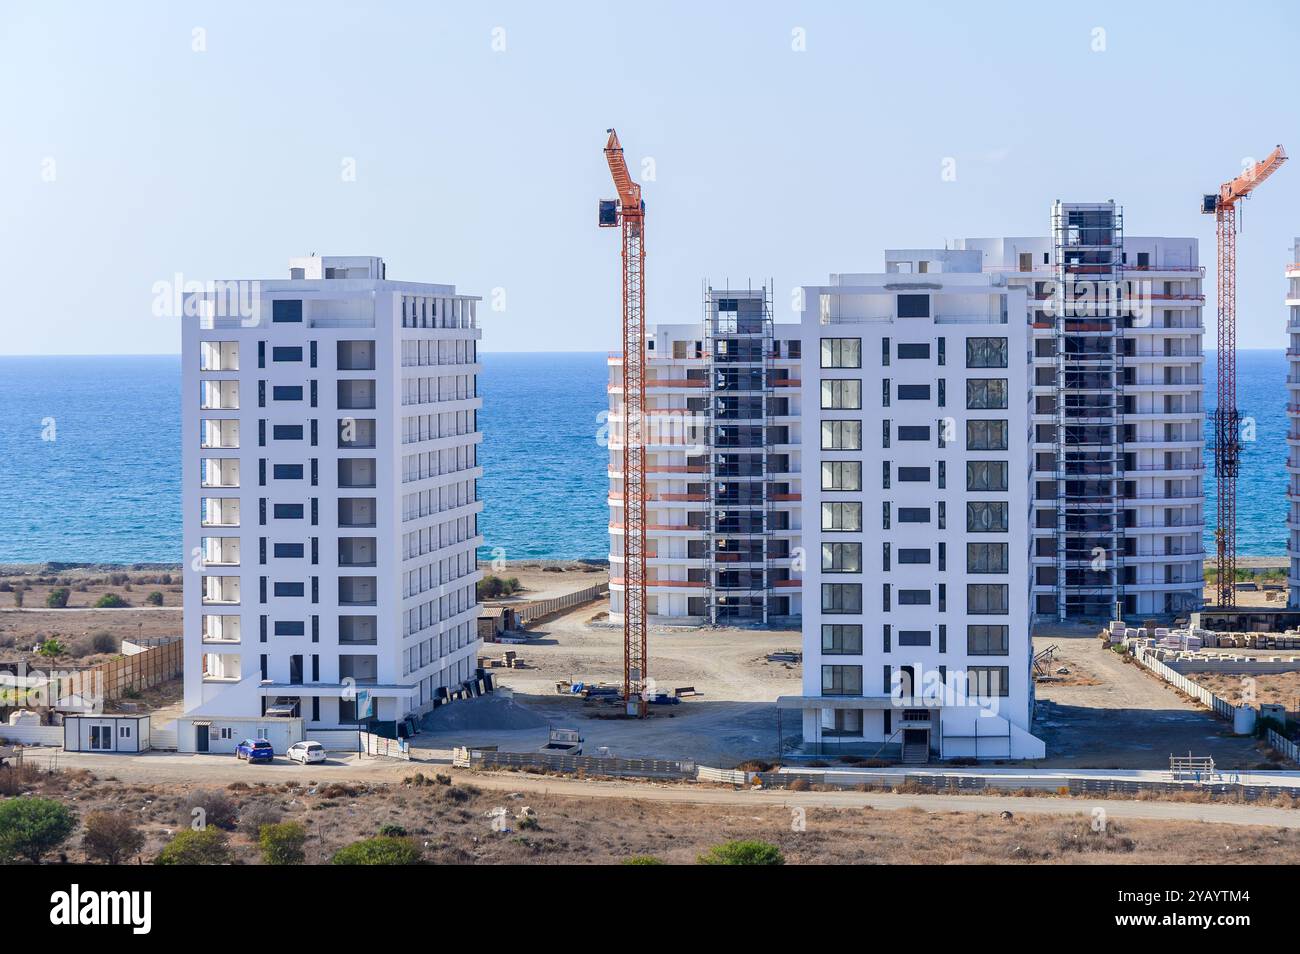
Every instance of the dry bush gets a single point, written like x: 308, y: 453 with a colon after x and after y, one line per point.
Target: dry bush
x: 217, y: 808
x: 18, y: 778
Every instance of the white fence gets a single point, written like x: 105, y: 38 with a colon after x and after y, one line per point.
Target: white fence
x: 33, y: 734
x: 705, y: 773
x: 1222, y: 707
x: 337, y: 740
x: 381, y: 746
x: 163, y: 739
x: 1285, y: 746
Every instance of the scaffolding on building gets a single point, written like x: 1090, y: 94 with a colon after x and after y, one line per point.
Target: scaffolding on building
x: 1090, y: 302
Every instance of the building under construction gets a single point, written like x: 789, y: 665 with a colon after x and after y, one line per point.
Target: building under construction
x: 722, y: 466
x: 1118, y: 416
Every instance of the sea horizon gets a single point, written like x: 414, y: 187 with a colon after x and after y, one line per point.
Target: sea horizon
x: 90, y: 447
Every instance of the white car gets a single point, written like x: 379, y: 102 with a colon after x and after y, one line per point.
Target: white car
x: 306, y: 752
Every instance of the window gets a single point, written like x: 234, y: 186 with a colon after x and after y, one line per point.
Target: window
x: 286, y: 354
x: 287, y: 310
x: 293, y: 627
x: 988, y: 640
x: 986, y: 435
x: 984, y: 681
x: 286, y: 432
x: 289, y: 589
x: 914, y: 350
x: 841, y: 639
x: 913, y: 306
x: 884, y: 352
x: 287, y: 471
x: 986, y: 352
x: 841, y: 475
x: 842, y: 515
x: 841, y: 597
x: 841, y: 558
x: 794, y: 348
x: 914, y: 392
x: 988, y: 599
x: 884, y: 474
x: 287, y: 511
x: 286, y: 392
x: 841, y: 435
x: 986, y: 475
x: 985, y: 394
x: 986, y: 516
x: 288, y: 551
x: 914, y: 432
x: 913, y: 555
x: 914, y: 474
x: 841, y: 395
x: 914, y: 637
x: 987, y: 558
x: 913, y: 514
x: 913, y: 597
x: 841, y: 680
x: 841, y: 352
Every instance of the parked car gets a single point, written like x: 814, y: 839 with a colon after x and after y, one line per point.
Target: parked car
x: 306, y: 752
x: 255, y: 750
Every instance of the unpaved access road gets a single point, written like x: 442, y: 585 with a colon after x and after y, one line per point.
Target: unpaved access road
x: 198, y: 770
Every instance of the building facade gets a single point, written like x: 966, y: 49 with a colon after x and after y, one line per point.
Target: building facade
x: 330, y: 435
x: 723, y: 465
x: 1118, y: 414
x: 917, y: 425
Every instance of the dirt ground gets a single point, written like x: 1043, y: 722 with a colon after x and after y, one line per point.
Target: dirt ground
x: 732, y: 718
x: 454, y: 821
x: 1128, y: 718
x: 545, y: 579
x: 1280, y: 688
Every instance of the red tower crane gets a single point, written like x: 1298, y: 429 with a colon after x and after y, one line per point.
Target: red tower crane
x: 1227, y: 419
x: 629, y: 211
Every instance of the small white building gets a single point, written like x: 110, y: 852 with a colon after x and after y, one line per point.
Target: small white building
x: 106, y: 733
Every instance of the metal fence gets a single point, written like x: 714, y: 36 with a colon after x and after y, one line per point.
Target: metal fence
x: 573, y: 764
x: 537, y: 609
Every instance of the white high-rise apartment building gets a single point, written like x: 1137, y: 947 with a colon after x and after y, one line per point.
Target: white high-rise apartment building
x: 330, y: 503
x: 1118, y: 414
x: 1293, y: 431
x: 916, y: 402
x: 723, y: 466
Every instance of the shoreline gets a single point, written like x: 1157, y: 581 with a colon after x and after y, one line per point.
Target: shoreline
x: 91, y: 568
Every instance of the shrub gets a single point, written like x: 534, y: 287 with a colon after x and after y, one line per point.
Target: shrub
x: 642, y: 860
x: 57, y: 598
x: 281, y: 844
x: 206, y: 846
x: 493, y: 586
x: 18, y: 596
x: 52, y: 648
x: 165, y: 579
x: 378, y: 851
x: 529, y: 823
x: 117, y: 579
x: 110, y: 601
x: 392, y: 831
x: 154, y: 599
x: 30, y: 827
x: 215, y: 808
x: 103, y: 642
x: 111, y: 837
x: 256, y: 817
x: 6, y: 586
x: 16, y: 778
x: 742, y: 853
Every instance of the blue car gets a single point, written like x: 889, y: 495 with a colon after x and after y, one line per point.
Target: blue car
x: 255, y: 750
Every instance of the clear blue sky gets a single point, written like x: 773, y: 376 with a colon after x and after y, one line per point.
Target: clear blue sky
x: 483, y: 167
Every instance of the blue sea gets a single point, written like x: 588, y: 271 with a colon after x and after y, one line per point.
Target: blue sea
x: 89, y: 452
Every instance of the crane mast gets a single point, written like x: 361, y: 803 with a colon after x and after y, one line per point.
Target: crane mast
x: 1227, y: 419
x: 629, y: 212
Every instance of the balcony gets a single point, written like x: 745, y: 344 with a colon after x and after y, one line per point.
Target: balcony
x: 358, y: 631
x: 219, y: 356
x: 355, y: 355
x: 357, y: 590
x: 218, y: 434
x: 360, y: 670
x: 356, y: 512
x: 356, y: 433
x: 356, y: 473
x: 219, y: 395
x: 219, y: 511
x: 220, y: 629
x: 220, y: 591
x: 221, y: 667
x: 220, y: 551
x: 355, y: 395
x: 219, y: 472
x: 357, y: 551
